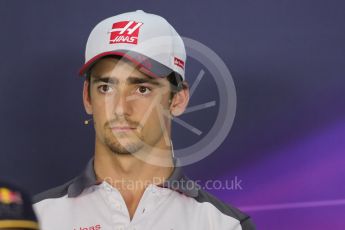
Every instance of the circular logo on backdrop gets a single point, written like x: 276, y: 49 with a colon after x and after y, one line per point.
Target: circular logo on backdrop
x: 202, y: 127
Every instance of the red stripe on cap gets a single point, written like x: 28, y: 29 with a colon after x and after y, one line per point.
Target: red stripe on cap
x: 116, y: 53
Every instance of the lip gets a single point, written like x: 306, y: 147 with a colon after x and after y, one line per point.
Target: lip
x: 122, y: 128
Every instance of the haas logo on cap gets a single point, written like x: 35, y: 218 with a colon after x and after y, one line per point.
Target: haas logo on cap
x: 125, y: 32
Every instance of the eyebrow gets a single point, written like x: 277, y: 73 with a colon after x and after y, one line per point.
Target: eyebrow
x: 105, y: 79
x: 130, y: 80
x: 137, y: 80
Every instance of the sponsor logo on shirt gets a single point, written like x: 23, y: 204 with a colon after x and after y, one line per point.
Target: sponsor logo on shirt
x: 95, y: 227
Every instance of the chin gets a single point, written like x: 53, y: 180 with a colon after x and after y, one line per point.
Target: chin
x: 125, y: 148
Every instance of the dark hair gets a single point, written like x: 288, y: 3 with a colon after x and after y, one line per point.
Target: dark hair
x: 176, y: 83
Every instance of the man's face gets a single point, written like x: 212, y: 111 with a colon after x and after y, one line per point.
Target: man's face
x: 130, y: 109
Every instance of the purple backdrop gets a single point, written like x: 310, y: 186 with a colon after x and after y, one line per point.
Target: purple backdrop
x: 286, y: 147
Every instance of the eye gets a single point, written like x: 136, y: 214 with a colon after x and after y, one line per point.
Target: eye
x: 143, y: 90
x: 105, y: 89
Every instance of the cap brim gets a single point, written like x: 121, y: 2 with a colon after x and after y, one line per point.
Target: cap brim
x: 26, y: 224
x: 144, y: 63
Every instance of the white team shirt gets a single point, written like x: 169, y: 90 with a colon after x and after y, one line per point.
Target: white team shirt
x: 179, y: 204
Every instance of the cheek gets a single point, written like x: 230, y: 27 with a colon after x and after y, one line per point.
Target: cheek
x: 153, y: 116
x: 144, y: 107
x: 102, y: 110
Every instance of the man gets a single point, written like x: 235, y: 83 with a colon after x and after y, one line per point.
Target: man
x: 134, y: 85
x: 16, y: 209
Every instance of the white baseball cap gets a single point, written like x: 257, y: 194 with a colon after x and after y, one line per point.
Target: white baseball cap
x: 147, y: 40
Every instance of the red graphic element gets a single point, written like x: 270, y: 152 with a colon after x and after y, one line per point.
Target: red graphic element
x: 95, y: 227
x: 125, y: 32
x: 179, y: 62
x: 10, y: 197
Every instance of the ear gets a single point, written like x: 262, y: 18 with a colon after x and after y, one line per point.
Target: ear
x: 86, y: 98
x: 180, y: 101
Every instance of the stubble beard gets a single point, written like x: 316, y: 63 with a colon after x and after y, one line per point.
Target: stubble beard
x: 129, y: 143
x: 116, y: 147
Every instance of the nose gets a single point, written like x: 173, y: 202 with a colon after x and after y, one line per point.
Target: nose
x: 122, y: 105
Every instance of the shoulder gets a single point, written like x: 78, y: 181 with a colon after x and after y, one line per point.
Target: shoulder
x: 53, y: 193
x: 225, y: 209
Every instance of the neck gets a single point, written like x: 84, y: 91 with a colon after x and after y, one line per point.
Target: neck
x: 118, y: 168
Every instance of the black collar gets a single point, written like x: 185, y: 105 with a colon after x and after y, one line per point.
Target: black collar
x: 177, y: 181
